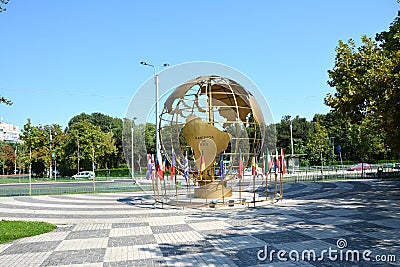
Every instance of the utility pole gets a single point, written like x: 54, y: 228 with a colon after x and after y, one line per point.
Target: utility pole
x: 51, y: 155
x: 291, y: 136
x: 15, y: 161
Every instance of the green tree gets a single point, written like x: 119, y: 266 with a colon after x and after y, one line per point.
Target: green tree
x: 85, y: 144
x: 7, y: 158
x: 22, y: 157
x: 300, y: 130
x: 49, y: 147
x: 30, y: 137
x: 107, y: 124
x: 367, y: 83
x: 318, y: 145
x: 3, y: 3
x: 150, y: 138
x: 138, y: 144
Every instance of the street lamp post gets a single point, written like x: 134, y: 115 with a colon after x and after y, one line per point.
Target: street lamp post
x: 291, y: 144
x: 15, y: 161
x: 51, y: 155
x: 132, y: 155
x: 291, y: 136
x: 156, y: 70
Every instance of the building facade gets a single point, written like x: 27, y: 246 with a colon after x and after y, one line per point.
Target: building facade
x: 9, y: 132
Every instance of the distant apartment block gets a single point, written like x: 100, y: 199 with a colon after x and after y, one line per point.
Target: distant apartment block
x: 9, y: 132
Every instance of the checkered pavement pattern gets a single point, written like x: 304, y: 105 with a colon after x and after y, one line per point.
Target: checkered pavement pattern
x: 114, y: 230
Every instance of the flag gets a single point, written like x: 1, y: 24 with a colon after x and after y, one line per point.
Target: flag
x: 221, y: 166
x: 160, y: 169
x: 269, y: 160
x: 172, y: 169
x: 283, y: 163
x: 276, y: 167
x: 240, y: 174
x: 149, y: 167
x: 254, y: 165
x: 186, y: 168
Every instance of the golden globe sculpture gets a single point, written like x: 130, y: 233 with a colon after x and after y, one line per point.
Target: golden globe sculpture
x: 206, y: 117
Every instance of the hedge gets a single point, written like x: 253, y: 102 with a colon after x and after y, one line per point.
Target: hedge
x: 120, y: 172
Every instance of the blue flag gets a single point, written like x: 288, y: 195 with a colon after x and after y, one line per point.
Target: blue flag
x: 221, y: 166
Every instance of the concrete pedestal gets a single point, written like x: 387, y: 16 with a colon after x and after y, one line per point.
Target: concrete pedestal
x: 213, y: 190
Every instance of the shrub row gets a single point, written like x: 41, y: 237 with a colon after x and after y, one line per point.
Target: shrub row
x: 120, y: 172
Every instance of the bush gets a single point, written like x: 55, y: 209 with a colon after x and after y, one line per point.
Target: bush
x: 120, y: 172
x: 388, y: 161
x: 345, y: 162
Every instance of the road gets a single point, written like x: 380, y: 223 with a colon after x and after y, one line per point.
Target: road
x: 67, y: 187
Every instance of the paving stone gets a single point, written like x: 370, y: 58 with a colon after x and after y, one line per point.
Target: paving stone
x: 19, y: 248
x: 88, y: 234
x: 283, y: 237
x: 68, y: 257
x: 113, y: 230
x: 131, y: 240
x: 171, y: 228
x: 128, y: 225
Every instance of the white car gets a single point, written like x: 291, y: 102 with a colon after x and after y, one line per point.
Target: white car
x: 248, y: 172
x: 84, y: 174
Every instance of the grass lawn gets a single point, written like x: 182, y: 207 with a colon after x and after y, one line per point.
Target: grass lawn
x: 11, y: 230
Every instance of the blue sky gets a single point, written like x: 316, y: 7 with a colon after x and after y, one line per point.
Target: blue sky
x: 62, y: 58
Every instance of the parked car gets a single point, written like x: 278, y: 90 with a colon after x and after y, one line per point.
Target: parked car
x: 248, y: 172
x: 359, y: 167
x: 83, y: 175
x: 396, y: 166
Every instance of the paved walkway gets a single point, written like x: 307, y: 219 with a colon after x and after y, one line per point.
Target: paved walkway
x: 344, y: 218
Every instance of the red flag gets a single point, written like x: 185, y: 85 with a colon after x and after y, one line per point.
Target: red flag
x: 172, y: 169
x: 240, y: 174
x: 283, y: 163
x: 160, y: 170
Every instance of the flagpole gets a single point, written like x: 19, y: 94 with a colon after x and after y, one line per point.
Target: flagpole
x: 190, y: 193
x: 176, y: 188
x: 205, y: 187
x: 266, y: 186
x: 169, y: 188
x: 242, y: 182
x: 283, y: 171
x: 240, y: 190
x: 264, y: 172
x: 254, y: 179
x: 158, y: 191
x: 165, y: 189
x: 281, y: 191
x: 240, y: 176
x: 222, y: 179
x: 152, y: 182
x: 268, y: 183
